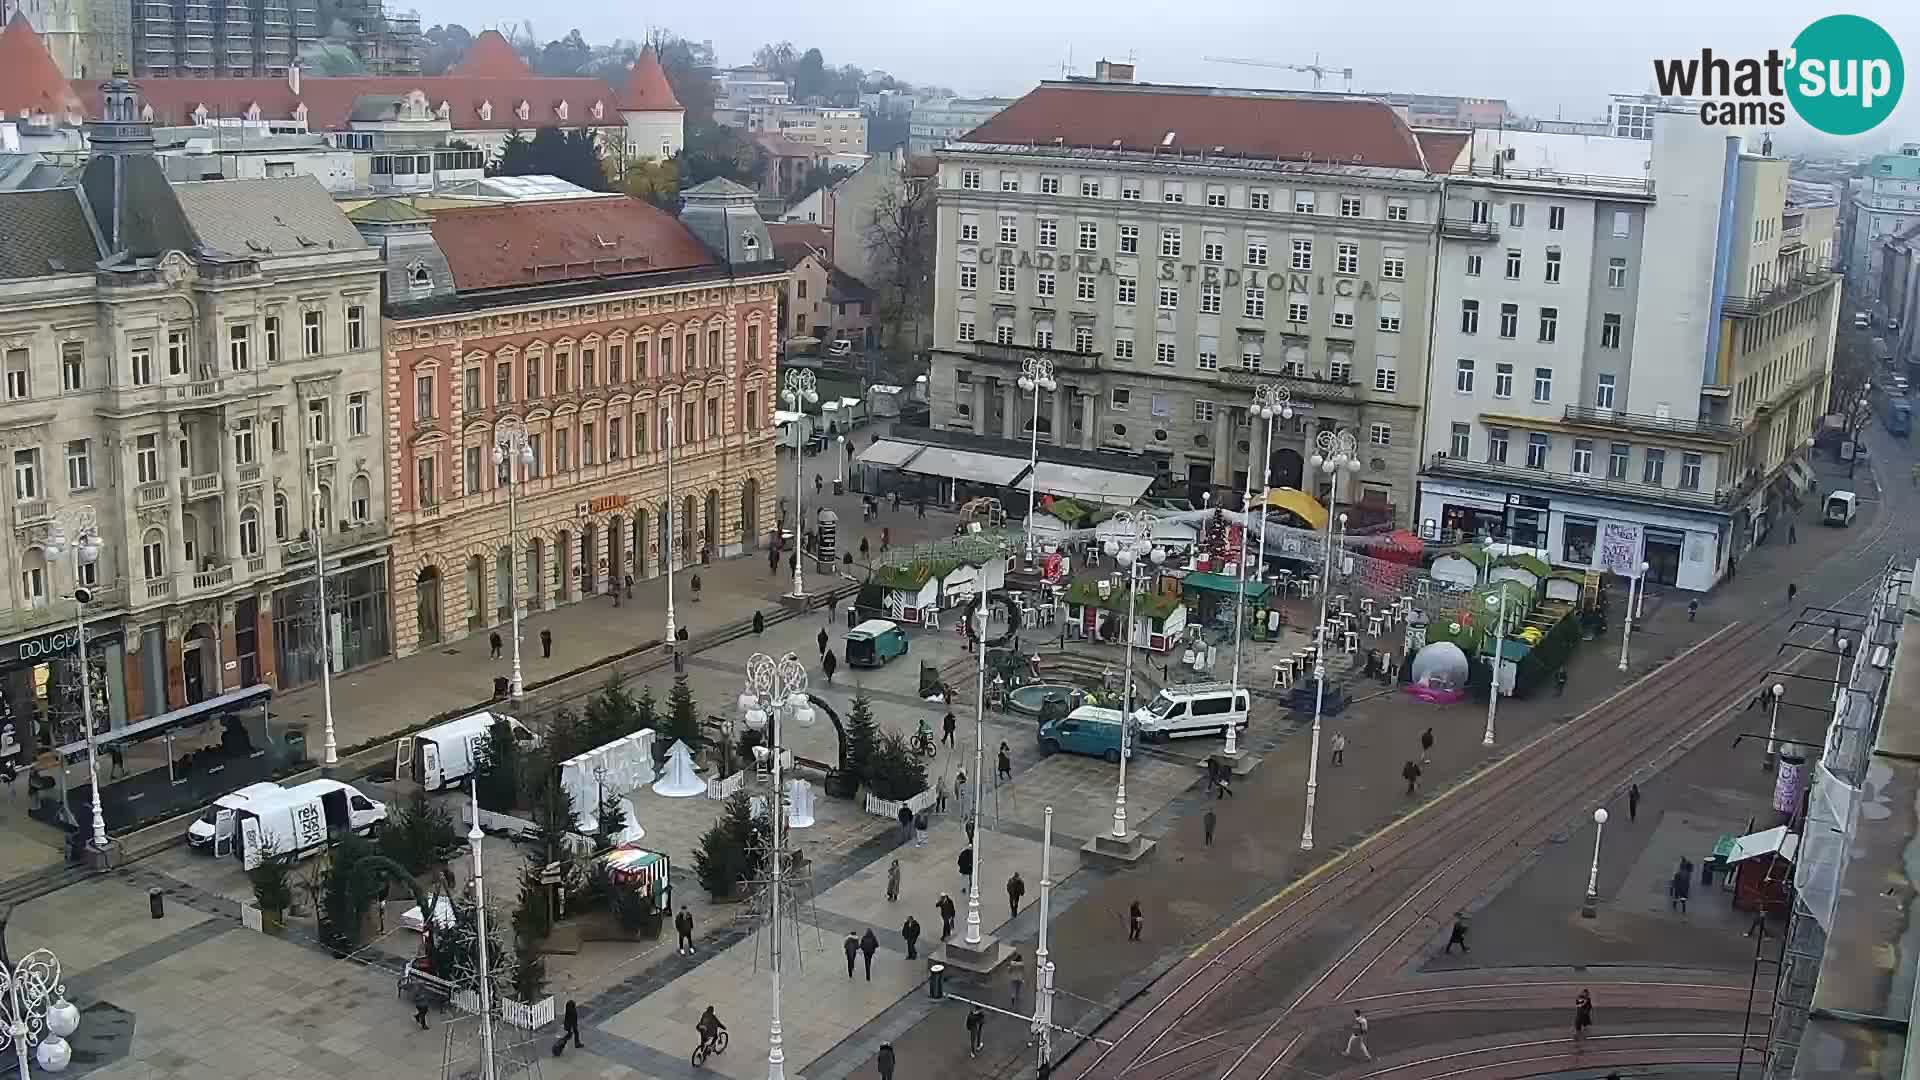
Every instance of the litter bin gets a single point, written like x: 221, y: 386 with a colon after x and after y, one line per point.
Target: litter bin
x: 296, y: 740
x: 157, y: 903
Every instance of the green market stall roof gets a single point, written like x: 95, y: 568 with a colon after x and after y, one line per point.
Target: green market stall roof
x: 1202, y: 581
x: 1151, y: 604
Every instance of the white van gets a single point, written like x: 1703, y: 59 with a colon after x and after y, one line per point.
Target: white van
x: 1193, y: 709
x: 302, y: 820
x: 1861, y: 320
x: 446, y: 754
x: 203, y: 830
x: 1841, y: 508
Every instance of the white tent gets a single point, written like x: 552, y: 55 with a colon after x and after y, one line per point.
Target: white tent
x: 679, y: 781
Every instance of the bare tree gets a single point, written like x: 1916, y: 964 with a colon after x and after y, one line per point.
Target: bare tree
x: 899, y: 237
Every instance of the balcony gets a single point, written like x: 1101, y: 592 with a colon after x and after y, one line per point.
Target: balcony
x: 1618, y: 186
x: 31, y: 512
x: 159, y: 588
x: 322, y: 453
x: 1298, y: 386
x: 1807, y: 280
x: 218, y: 577
x: 249, y: 474
x: 149, y: 495
x: 25, y: 618
x: 1719, y: 500
x: 1619, y: 420
x: 1454, y: 228
x: 204, y: 486
x: 1063, y: 359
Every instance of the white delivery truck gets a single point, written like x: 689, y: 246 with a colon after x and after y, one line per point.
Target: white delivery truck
x: 1193, y: 709
x: 205, y: 828
x: 444, y: 755
x: 302, y: 819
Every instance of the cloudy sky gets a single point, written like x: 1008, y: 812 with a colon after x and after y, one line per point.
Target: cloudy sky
x: 1546, y: 57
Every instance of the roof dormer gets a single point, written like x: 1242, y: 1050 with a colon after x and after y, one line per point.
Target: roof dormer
x: 146, y: 113
x: 486, y: 110
x: 444, y: 112
x: 200, y: 116
x: 523, y: 110
x: 560, y: 111
x: 599, y: 110
x: 253, y: 111
x: 300, y: 112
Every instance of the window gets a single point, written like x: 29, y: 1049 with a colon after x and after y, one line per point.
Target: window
x: 357, y: 412
x: 1690, y: 472
x: 970, y: 179
x: 1380, y: 435
x: 1603, y: 393
x: 1157, y: 405
x: 1043, y: 336
x: 1169, y: 298
x: 1481, y: 212
x: 1513, y: 264
x: 272, y: 335
x: 1009, y: 279
x: 1497, y: 446
x: 1086, y: 289
x: 1049, y: 185
x: 1089, y: 236
x: 140, y: 366
x: 969, y: 234
x: 1003, y: 333
x: 1622, y: 224
x: 1209, y: 299
x: 969, y: 278
x: 80, y: 465
x: 1389, y: 316
x: 1083, y: 339
x: 1165, y: 353
x: 1509, y: 320
x: 360, y: 504
x: 1343, y: 314
x: 1123, y: 348
x: 1259, y: 200
x: 1256, y: 251
x: 276, y: 434
x: 470, y: 389
x: 1616, y: 273
x: 1009, y: 181
x: 1654, y: 468
x: 250, y: 532
x: 590, y: 440
x: 1339, y: 368
x: 666, y: 364
x: 1049, y: 230
x: 563, y: 445
x: 1298, y: 311
x: 146, y: 459
x: 1393, y: 265
x: 1009, y: 230
x: 1517, y: 215
x: 1610, y: 330
x: 243, y: 441
x: 1216, y: 196
x: 1473, y: 266
x: 1204, y: 412
x: 176, y: 352
x: 1125, y: 290
x: 1346, y: 259
x: 1214, y: 250
x: 1469, y: 316
x: 1250, y: 356
x: 1130, y: 191
x: 1089, y: 189
x: 964, y: 332
x: 1553, y: 266
x: 1119, y: 399
x: 153, y: 554
x: 1543, y: 384
x: 73, y: 367
x: 1503, y: 380
x: 356, y: 327
x: 1463, y: 376
x: 1385, y: 378
x: 310, y: 332
x: 423, y: 397
x: 1303, y: 202
x: 1397, y: 210
x: 1549, y: 323
x: 1350, y: 206
x: 26, y: 474
x: 1302, y: 253
x: 319, y: 427
x: 1583, y: 457
x: 425, y: 483
x: 282, y: 520
x: 1207, y: 356
x: 1537, y: 447
x: 1256, y: 302
x: 1170, y: 243
x: 1129, y: 239
x: 1462, y: 441
x: 1556, y: 218
x: 1043, y: 284
x: 19, y: 383
x: 239, y: 340
x: 1173, y: 192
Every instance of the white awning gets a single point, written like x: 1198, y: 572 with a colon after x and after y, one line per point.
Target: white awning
x: 1776, y: 840
x: 967, y: 465
x: 1086, y: 484
x: 888, y: 453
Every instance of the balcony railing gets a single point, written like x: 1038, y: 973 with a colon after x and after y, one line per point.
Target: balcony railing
x: 1800, y: 284
x: 1296, y: 384
x: 249, y: 474
x: 1064, y: 359
x: 321, y: 453
x: 159, y: 588
x: 1618, y: 419
x: 1454, y: 228
x: 214, y: 578
x: 200, y: 487
x: 31, y: 512
x: 1582, y: 484
x: 1625, y: 185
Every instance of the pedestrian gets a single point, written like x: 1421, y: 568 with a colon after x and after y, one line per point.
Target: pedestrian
x: 921, y: 507
x: 960, y: 788
x: 965, y: 862
x: 910, y: 933
x: 939, y: 794
x: 820, y: 639
x: 905, y: 817
x: 1134, y: 920
x: 947, y: 723
x: 865, y: 549
x: 1582, y: 1015
x: 1018, y: 982
x: 1426, y: 747
x: 629, y: 586
x: 683, y: 926
x: 1693, y: 608
x: 1793, y: 534
x: 1206, y: 825
x: 773, y: 561
x: 1411, y: 771
x: 1016, y: 888
x: 759, y: 623
x: 793, y: 563
x: 893, y: 879
x: 829, y: 662
x: 1633, y: 802
x: 1339, y: 748
x: 546, y: 644
x: 868, y: 946
x: 1005, y: 764
x: 920, y: 827
x: 945, y: 904
x: 571, y: 1021
x: 1459, y: 935
x: 422, y: 1001
x: 818, y: 483
x: 1793, y: 590
x: 968, y: 825
x: 494, y: 643
x: 885, y: 1061
x: 886, y: 537
x: 851, y: 946
x: 1682, y: 886
x: 976, y: 1030
x: 1357, y: 1036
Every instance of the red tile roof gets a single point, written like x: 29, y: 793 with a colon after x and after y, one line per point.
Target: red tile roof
x: 29, y: 79
x: 647, y: 89
x: 1141, y: 117
x: 1442, y: 148
x: 490, y: 56
x: 794, y: 240
x: 491, y: 247
x: 781, y: 146
x: 329, y: 101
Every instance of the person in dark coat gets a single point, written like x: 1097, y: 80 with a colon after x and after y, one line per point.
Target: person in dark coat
x: 422, y: 1001
x: 1134, y: 919
x: 1582, y: 1015
x: 1633, y: 802
x: 976, y: 1030
x: 1459, y: 935
x: 759, y: 623
x: 885, y: 1061
x: 820, y: 639
x: 852, y: 948
x: 494, y: 643
x: 1426, y: 746
x: 945, y: 904
x: 869, y: 945
x: 546, y: 644
x: 905, y: 818
x: 773, y: 561
x: 683, y: 926
x: 1207, y: 823
x: 828, y: 663
x: 571, y: 1019
x: 946, y: 728
x: 1411, y: 773
x: 1005, y: 762
x: 910, y: 932
x: 965, y: 862
x: 1016, y: 888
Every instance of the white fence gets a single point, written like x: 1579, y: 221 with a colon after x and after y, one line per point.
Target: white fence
x: 721, y: 788
x: 532, y: 1017
x: 889, y: 809
x: 250, y: 917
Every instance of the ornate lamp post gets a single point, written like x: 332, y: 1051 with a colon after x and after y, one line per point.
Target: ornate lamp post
x: 798, y: 391
x: 1131, y: 544
x: 37, y: 1012
x: 1499, y: 604
x: 1270, y: 402
x: 1036, y: 374
x: 1773, y: 722
x: 331, y: 754
x: 1336, y: 452
x: 85, y: 547
x: 1626, y: 631
x: 673, y: 639
x: 771, y: 686
x: 511, y: 448
x: 1590, y: 907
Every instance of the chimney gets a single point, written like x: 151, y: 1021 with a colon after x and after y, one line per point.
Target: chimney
x: 293, y: 76
x: 1108, y: 71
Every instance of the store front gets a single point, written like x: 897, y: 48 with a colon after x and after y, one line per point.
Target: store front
x: 40, y: 698
x: 359, y: 622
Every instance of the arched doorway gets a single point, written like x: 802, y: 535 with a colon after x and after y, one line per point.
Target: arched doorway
x: 617, y: 568
x: 503, y: 580
x: 1285, y: 468
x: 685, y: 527
x: 640, y: 543
x: 536, y: 573
x: 710, y: 535
x: 476, y: 593
x: 749, y: 515
x: 200, y: 663
x: 426, y: 604
x: 563, y: 554
x: 589, y: 559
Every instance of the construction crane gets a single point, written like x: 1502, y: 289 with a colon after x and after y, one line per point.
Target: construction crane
x: 1318, y: 70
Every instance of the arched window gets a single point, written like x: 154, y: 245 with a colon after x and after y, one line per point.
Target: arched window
x: 281, y: 519
x: 33, y: 578
x: 153, y: 553
x: 323, y: 507
x: 362, y: 505
x: 250, y: 532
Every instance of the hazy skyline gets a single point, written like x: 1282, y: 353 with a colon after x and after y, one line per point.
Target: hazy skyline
x: 1542, y: 61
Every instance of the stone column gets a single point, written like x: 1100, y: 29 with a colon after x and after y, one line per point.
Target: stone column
x: 979, y: 407
x: 1087, y: 422
x: 1223, y: 446
x: 230, y: 492
x: 176, y: 480
x: 1009, y: 409
x: 1060, y: 415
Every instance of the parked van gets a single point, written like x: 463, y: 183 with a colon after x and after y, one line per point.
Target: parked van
x: 875, y: 642
x: 1841, y: 508
x: 301, y: 820
x: 445, y: 755
x: 1861, y: 320
x: 203, y: 830
x: 1194, y: 709
x: 1089, y: 730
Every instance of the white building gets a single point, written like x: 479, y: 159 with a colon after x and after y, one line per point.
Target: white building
x: 1886, y: 202
x: 933, y: 124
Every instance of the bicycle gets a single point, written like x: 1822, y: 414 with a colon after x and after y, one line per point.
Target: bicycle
x: 709, y: 1047
x: 923, y: 742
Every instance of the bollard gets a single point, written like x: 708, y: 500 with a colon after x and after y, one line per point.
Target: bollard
x: 157, y: 902
x: 937, y: 982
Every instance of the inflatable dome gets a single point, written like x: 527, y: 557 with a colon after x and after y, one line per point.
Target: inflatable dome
x: 1439, y: 673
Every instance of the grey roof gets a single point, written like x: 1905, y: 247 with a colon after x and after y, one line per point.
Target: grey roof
x: 19, y: 171
x: 46, y: 232
x: 719, y: 185
x: 253, y: 218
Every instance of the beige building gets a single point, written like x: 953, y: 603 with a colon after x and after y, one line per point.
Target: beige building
x: 185, y: 364
x: 1170, y: 248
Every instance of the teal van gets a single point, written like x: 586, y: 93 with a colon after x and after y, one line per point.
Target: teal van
x: 1089, y: 730
x: 875, y: 642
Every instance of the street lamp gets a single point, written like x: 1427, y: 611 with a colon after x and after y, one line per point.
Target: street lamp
x: 673, y: 639
x: 1131, y: 543
x: 331, y: 755
x: 1499, y: 639
x: 1773, y: 722
x: 798, y: 390
x: 1269, y: 402
x: 37, y: 1012
x: 1036, y: 374
x: 773, y: 685
x: 1043, y: 969
x: 475, y: 839
x: 1626, y: 632
x: 1839, y: 668
x: 85, y: 546
x: 511, y: 447
x: 1337, y: 452
x: 1590, y: 907
x: 972, y: 936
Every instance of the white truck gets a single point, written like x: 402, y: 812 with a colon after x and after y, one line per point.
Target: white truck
x: 302, y: 820
x: 205, y: 829
x: 446, y: 754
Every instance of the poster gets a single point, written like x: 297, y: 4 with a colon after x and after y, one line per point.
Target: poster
x: 1621, y: 544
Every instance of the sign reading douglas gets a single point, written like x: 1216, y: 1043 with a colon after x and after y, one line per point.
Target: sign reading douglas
x: 1843, y: 76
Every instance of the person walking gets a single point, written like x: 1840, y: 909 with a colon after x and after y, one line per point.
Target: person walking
x: 1681, y: 887
x: 1793, y: 534
x: 1411, y: 772
x: 828, y: 663
x: 1693, y: 609
x: 893, y: 880
x: 1018, y: 980
x: 1793, y: 590
x: 905, y: 817
x: 571, y: 1020
x: 969, y: 827
x: 976, y: 1030
x: 683, y: 926
x: 851, y: 946
x: 945, y: 905
x: 820, y: 639
x: 869, y: 944
x: 1582, y: 1015
x: 818, y: 484
x: 910, y: 933
x: 1459, y: 935
x: 965, y: 862
x: 773, y: 561
x: 1633, y: 802
x: 1016, y: 888
x: 947, y: 723
x: 1426, y: 747
x: 884, y: 1062
x: 960, y: 791
x: 865, y: 549
x: 546, y: 644
x: 1005, y: 763
x: 1134, y: 921
x: 1207, y: 822
x: 939, y: 794
x: 422, y: 1001
x: 1357, y: 1036
x: 494, y: 643
x: 759, y: 624
x: 1560, y: 683
x: 1339, y: 748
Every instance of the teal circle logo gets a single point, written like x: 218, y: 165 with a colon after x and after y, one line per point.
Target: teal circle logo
x: 1846, y: 76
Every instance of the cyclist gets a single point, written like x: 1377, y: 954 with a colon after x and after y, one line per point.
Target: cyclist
x: 709, y: 1027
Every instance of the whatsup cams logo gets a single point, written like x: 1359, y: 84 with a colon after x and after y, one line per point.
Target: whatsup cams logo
x: 1843, y: 76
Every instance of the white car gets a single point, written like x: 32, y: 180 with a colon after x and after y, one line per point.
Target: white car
x: 840, y: 347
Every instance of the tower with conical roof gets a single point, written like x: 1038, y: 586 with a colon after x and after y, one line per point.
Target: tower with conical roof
x: 655, y: 120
